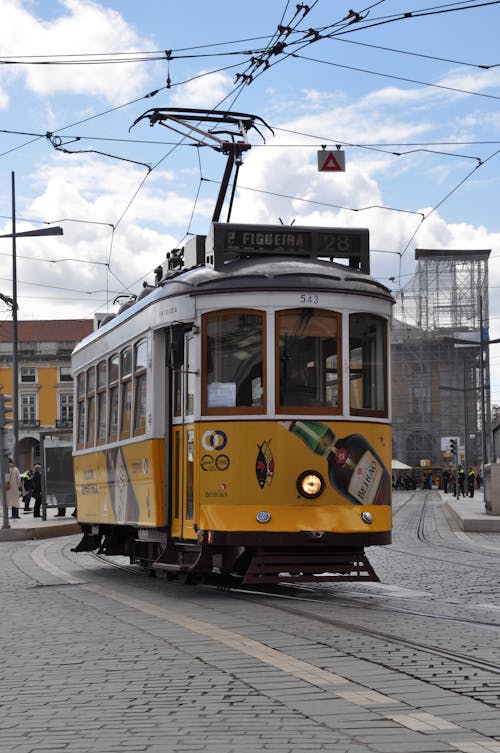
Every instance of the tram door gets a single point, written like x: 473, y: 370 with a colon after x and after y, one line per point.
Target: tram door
x: 182, y: 460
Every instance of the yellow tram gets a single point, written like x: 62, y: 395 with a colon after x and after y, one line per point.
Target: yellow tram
x: 233, y: 423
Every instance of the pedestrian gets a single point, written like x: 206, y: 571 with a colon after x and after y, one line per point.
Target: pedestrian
x: 471, y: 481
x: 478, y: 479
x: 461, y: 481
x: 37, y: 490
x: 12, y: 484
x: 26, y: 488
x: 446, y: 480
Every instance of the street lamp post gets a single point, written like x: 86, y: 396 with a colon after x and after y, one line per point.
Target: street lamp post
x: 13, y: 302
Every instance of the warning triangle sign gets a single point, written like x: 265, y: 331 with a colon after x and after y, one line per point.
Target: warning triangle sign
x: 331, y: 161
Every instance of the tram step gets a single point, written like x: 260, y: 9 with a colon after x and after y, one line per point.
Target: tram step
x: 290, y: 567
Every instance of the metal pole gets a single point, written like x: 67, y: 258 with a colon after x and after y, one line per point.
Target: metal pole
x: 5, y: 507
x: 481, y: 372
x: 15, y: 370
x: 466, y: 414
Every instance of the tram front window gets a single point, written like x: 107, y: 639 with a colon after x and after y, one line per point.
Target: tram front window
x: 367, y: 364
x: 233, y: 352
x: 308, y: 344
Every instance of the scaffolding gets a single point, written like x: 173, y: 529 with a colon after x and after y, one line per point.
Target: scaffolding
x: 440, y: 361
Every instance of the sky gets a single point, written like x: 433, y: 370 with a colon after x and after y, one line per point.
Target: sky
x: 409, y: 91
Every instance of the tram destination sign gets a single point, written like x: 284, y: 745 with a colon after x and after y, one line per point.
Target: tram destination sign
x: 228, y: 241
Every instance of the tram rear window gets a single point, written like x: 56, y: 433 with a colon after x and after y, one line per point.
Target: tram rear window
x: 233, y: 353
x: 367, y: 364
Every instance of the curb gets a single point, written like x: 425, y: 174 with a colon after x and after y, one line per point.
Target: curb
x: 39, y: 532
x: 479, y: 523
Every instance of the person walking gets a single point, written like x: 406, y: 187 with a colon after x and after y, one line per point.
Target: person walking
x: 12, y: 484
x: 37, y: 490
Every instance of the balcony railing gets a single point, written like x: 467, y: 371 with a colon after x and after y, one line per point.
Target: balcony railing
x: 26, y: 423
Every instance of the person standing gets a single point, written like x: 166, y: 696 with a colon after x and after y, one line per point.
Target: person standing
x: 461, y: 481
x: 37, y: 490
x: 12, y: 484
x: 471, y: 481
x: 26, y: 488
x: 446, y: 480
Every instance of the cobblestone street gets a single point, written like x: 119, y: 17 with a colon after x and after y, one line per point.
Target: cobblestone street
x: 102, y: 658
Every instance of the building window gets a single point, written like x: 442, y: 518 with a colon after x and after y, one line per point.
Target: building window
x: 28, y: 375
x: 65, y: 374
x: 66, y: 408
x: 28, y: 409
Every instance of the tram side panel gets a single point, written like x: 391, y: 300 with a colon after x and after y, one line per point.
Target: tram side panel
x: 122, y: 484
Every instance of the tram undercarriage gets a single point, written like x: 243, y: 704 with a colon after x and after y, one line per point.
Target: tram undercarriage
x: 314, y: 559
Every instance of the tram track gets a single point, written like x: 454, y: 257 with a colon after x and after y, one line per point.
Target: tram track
x: 336, y: 622
x: 422, y: 535
x: 450, y: 670
x: 363, y: 603
x: 354, y: 603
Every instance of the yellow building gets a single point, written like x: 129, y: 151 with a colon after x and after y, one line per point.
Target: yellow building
x: 45, y: 386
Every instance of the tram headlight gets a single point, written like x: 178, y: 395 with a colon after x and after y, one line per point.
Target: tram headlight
x: 310, y: 484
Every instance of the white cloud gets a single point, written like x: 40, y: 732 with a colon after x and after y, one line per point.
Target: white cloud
x: 81, y: 27
x: 205, y: 91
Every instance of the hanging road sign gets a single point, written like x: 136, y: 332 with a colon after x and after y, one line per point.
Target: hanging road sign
x: 331, y: 162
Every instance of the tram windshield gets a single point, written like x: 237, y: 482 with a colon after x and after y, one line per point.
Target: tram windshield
x: 367, y: 358
x: 308, y: 343
x: 233, y: 358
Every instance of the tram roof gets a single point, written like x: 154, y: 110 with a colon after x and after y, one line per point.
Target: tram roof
x: 272, y: 274
x: 261, y: 274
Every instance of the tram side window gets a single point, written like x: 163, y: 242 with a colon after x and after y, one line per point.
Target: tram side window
x: 101, y: 402
x: 90, y: 407
x: 126, y: 393
x: 81, y: 409
x: 233, y: 361
x: 367, y: 364
x: 308, y: 342
x: 113, y: 372
x: 140, y: 385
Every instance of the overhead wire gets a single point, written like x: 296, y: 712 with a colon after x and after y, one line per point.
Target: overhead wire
x: 237, y: 91
x: 394, y: 77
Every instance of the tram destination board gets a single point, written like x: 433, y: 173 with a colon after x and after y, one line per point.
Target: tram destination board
x: 231, y: 241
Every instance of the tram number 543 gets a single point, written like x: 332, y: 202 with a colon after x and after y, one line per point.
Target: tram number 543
x: 305, y: 298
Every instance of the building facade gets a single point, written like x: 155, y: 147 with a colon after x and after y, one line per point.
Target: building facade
x: 45, y: 386
x: 440, y: 364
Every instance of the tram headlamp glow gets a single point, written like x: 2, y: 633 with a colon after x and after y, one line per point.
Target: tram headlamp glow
x: 310, y: 484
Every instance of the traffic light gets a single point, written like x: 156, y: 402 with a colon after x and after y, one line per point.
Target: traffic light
x: 5, y: 410
x: 453, y: 446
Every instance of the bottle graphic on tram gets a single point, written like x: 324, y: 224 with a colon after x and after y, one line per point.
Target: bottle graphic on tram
x: 355, y: 469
